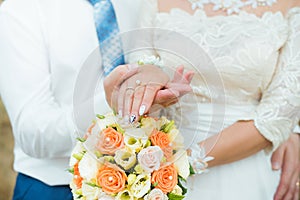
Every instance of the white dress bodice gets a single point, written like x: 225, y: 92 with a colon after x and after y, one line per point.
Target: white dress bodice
x: 254, y: 66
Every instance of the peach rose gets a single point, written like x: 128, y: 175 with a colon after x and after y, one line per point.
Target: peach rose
x: 161, y: 139
x: 77, y: 178
x: 111, y: 179
x: 110, y: 141
x: 165, y: 178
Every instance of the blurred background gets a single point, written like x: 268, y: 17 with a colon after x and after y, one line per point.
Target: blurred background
x: 7, y: 175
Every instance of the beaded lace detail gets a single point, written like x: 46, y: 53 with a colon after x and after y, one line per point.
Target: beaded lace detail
x: 231, y: 6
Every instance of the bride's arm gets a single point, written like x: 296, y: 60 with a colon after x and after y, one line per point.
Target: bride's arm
x: 236, y: 142
x: 276, y: 114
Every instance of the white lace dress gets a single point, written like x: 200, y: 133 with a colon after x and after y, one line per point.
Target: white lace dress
x: 248, y: 69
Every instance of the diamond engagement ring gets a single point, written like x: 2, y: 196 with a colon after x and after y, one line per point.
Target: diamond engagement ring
x: 138, y: 82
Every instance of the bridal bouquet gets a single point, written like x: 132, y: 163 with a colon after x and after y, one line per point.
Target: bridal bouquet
x: 114, y: 160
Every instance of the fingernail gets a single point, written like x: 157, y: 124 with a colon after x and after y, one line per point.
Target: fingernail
x: 275, y: 166
x: 120, y: 113
x: 142, y: 110
x: 132, y: 118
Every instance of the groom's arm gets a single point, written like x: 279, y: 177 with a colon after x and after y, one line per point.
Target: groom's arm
x: 42, y: 127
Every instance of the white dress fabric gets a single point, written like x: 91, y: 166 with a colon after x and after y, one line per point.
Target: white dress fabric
x: 258, y: 60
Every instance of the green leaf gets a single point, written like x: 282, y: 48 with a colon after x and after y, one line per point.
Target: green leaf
x: 78, y: 156
x: 100, y: 116
x: 92, y: 184
x: 71, y: 170
x: 192, y: 172
x: 180, y: 180
x: 169, y: 126
x: 175, y: 196
x: 155, y: 184
x: 81, y: 139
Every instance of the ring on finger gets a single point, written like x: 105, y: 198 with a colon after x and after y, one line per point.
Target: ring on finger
x: 130, y: 88
x: 138, y: 82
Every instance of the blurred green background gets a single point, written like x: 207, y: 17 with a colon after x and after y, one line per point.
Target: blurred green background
x: 7, y: 175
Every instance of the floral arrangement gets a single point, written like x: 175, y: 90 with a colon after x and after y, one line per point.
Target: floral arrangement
x: 115, y: 160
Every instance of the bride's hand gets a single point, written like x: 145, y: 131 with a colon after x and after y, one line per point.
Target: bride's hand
x: 138, y: 92
x: 286, y: 158
x: 158, y: 93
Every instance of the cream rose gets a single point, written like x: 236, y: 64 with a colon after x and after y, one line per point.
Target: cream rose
x: 141, y: 185
x: 150, y: 158
x: 125, y: 159
x: 156, y: 194
x: 90, y: 192
x: 88, y: 167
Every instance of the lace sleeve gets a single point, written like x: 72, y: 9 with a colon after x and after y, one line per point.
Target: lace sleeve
x: 278, y: 111
x: 141, y: 49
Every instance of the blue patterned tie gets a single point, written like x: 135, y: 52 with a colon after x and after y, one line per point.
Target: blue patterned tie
x: 108, y: 35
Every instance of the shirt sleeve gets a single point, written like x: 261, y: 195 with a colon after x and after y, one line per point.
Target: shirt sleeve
x: 278, y: 111
x: 42, y: 127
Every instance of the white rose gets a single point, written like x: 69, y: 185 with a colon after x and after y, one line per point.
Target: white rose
x: 181, y: 163
x: 89, y: 192
x: 88, y: 167
x: 125, y: 194
x: 125, y: 158
x: 156, y: 194
x: 150, y: 158
x: 108, y: 120
x: 104, y: 196
x: 141, y: 185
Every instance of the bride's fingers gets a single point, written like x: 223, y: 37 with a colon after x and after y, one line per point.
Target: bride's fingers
x: 136, y: 109
x: 149, y: 96
x: 121, y: 99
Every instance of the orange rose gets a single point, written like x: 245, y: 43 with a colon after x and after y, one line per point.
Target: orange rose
x: 110, y: 141
x: 161, y: 139
x: 77, y: 178
x: 165, y: 178
x: 111, y: 178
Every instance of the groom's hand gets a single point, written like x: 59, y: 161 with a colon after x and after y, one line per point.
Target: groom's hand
x: 286, y: 158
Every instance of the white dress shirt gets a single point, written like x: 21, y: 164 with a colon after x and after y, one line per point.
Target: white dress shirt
x: 43, y: 44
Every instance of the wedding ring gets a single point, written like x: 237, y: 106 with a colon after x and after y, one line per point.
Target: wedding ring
x: 130, y: 88
x: 297, y: 184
